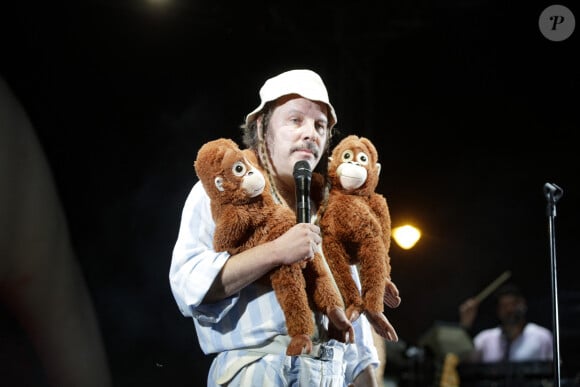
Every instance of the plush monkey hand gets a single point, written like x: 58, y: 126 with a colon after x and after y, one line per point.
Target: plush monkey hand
x: 356, y: 230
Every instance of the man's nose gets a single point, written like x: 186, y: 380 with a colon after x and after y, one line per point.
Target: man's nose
x: 309, y: 130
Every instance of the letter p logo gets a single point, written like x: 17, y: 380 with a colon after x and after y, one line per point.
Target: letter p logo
x: 556, y: 23
x: 557, y: 19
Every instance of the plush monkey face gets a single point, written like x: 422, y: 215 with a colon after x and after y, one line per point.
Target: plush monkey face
x: 228, y: 174
x: 354, y: 165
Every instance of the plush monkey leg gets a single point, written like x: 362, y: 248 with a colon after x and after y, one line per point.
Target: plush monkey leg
x: 339, y: 263
x: 290, y: 288
x: 320, y: 284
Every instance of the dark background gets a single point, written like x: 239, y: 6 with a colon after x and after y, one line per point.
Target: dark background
x: 471, y: 108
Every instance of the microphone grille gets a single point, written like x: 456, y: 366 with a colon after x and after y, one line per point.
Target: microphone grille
x: 302, y: 169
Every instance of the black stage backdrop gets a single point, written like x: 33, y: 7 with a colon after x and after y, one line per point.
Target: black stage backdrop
x: 471, y: 108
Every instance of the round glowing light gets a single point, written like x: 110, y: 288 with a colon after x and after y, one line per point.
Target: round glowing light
x: 406, y: 236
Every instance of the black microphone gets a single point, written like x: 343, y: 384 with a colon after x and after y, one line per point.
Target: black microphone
x: 302, y: 177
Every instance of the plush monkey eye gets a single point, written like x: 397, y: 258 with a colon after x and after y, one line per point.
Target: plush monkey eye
x: 362, y: 158
x: 239, y: 169
x: 347, y: 156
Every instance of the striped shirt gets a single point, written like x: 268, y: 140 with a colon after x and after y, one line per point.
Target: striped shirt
x: 250, y: 318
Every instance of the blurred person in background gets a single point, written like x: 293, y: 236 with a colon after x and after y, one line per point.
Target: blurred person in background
x: 514, y: 339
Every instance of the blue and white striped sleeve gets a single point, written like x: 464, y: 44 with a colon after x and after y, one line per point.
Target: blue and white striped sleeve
x: 194, y: 264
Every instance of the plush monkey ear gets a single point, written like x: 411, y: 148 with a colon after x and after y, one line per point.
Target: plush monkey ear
x: 219, y: 183
x: 378, y: 169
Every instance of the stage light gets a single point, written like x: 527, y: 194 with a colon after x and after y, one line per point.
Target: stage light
x: 406, y: 236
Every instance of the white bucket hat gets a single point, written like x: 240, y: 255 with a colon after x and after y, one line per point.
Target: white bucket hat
x: 305, y: 83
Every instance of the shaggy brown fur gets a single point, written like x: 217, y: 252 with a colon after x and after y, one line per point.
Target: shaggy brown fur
x: 246, y: 215
x: 356, y: 230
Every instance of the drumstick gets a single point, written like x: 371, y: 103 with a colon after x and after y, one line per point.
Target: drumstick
x: 492, y: 286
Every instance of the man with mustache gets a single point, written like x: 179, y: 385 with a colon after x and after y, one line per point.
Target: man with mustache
x: 236, y: 318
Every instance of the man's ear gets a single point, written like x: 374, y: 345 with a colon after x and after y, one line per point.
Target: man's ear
x: 219, y: 183
x: 378, y: 168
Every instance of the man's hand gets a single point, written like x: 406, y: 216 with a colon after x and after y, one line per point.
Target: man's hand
x: 299, y: 243
x: 468, y: 312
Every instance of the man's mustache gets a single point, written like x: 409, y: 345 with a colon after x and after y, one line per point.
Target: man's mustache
x: 309, y: 146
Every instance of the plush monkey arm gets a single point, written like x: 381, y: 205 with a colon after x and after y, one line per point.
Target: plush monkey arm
x: 232, y: 227
x: 378, y: 204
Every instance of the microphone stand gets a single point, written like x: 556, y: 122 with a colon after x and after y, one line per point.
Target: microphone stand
x: 553, y: 193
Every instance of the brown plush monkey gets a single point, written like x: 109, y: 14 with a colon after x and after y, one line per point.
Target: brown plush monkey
x: 246, y: 215
x: 356, y: 230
